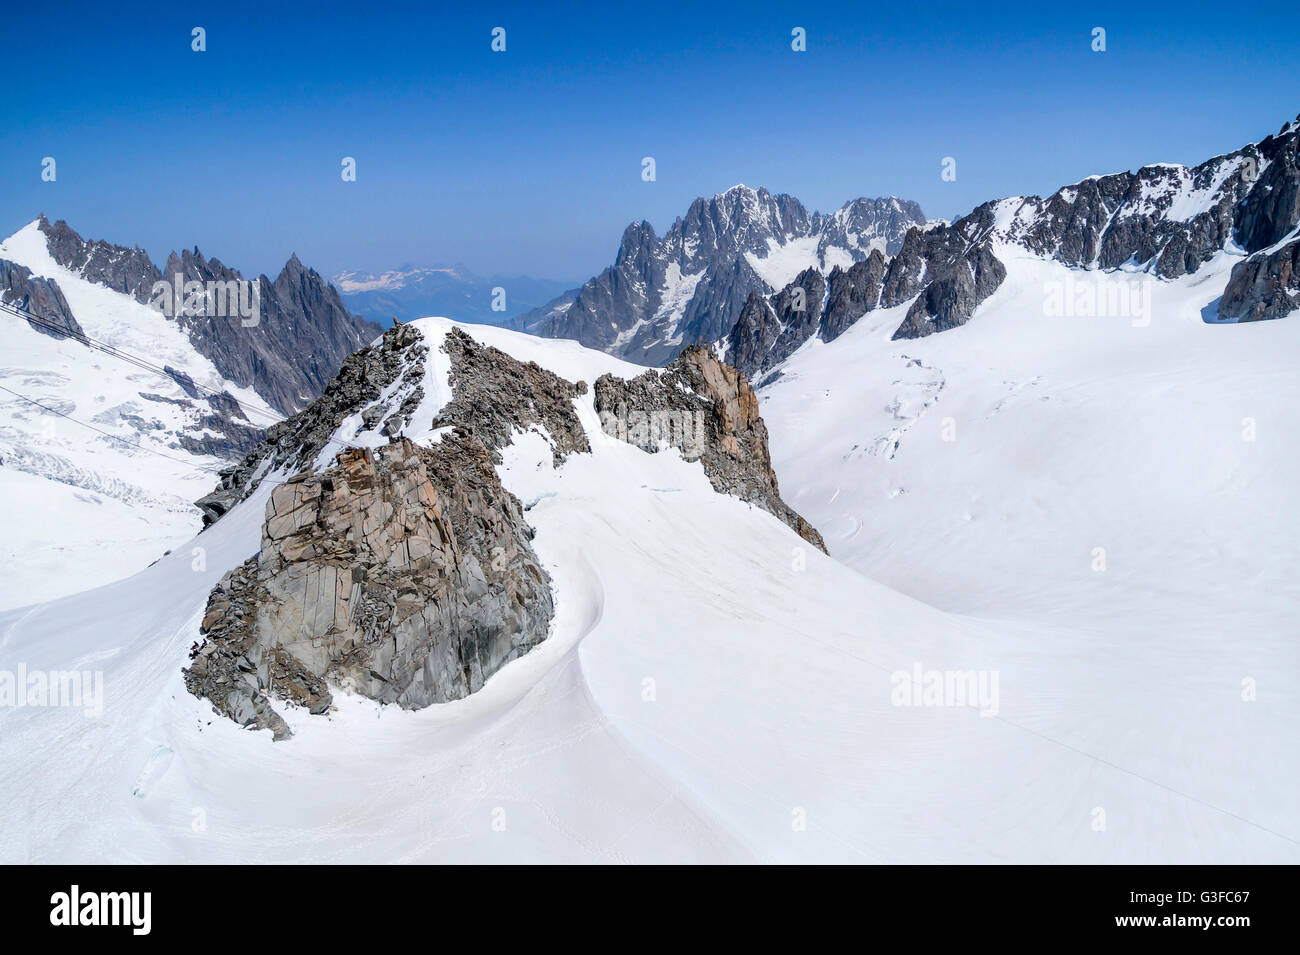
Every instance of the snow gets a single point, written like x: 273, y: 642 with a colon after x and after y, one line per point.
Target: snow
x: 80, y: 509
x: 351, y: 281
x: 716, y: 690
x: 783, y: 263
x: 1069, y: 434
x: 675, y: 295
x: 1190, y: 202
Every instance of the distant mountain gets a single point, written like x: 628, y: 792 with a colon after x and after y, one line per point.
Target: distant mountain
x: 116, y: 415
x: 302, y: 333
x: 1165, y: 219
x: 411, y: 292
x: 690, y: 286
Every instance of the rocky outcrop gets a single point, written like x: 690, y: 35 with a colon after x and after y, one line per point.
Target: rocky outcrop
x: 1264, y: 286
x: 707, y: 411
x: 404, y: 574
x: 692, y: 284
x: 752, y: 337
x: 770, y: 331
x: 395, y: 362
x: 851, y: 293
x: 1271, y: 208
x: 798, y: 308
x: 495, y: 395
x: 956, y: 286
x: 952, y: 265
x: 40, y: 297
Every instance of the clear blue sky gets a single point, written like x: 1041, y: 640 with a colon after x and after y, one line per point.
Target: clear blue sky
x: 529, y: 161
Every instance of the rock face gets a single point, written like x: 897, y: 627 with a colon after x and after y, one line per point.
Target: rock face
x: 302, y: 332
x: 405, y: 574
x: 295, y: 443
x: 1264, y: 286
x: 123, y: 270
x: 749, y: 346
x: 495, y: 394
x: 957, y: 278
x: 771, y: 330
x: 851, y: 293
x: 691, y: 285
x: 708, y: 411
x: 42, y: 298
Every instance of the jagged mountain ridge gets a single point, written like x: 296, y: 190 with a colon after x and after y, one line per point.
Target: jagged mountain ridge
x: 690, y: 285
x: 1165, y: 219
x: 115, y: 413
x: 303, y: 333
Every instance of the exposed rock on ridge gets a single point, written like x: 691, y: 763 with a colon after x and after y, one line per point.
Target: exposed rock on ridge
x: 397, y: 359
x: 1164, y: 218
x: 495, y: 395
x: 123, y: 270
x: 405, y: 574
x: 1264, y: 286
x: 302, y: 333
x: 708, y: 411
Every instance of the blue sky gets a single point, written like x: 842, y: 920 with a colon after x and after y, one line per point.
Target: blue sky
x: 529, y: 161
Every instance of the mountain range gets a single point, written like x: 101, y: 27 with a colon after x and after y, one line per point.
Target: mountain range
x: 689, y: 286
x: 1164, y: 219
x: 960, y: 542
x: 759, y: 275
x: 409, y: 292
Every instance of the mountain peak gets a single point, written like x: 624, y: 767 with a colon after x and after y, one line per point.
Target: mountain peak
x: 691, y: 285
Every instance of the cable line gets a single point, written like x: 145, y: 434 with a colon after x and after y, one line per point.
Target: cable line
x: 141, y: 363
x: 134, y: 444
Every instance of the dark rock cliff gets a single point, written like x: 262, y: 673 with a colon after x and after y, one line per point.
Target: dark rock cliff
x: 42, y: 298
x: 300, y: 333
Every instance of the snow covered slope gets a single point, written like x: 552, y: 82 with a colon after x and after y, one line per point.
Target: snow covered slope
x: 1111, y: 494
x: 713, y: 689
x: 78, y: 507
